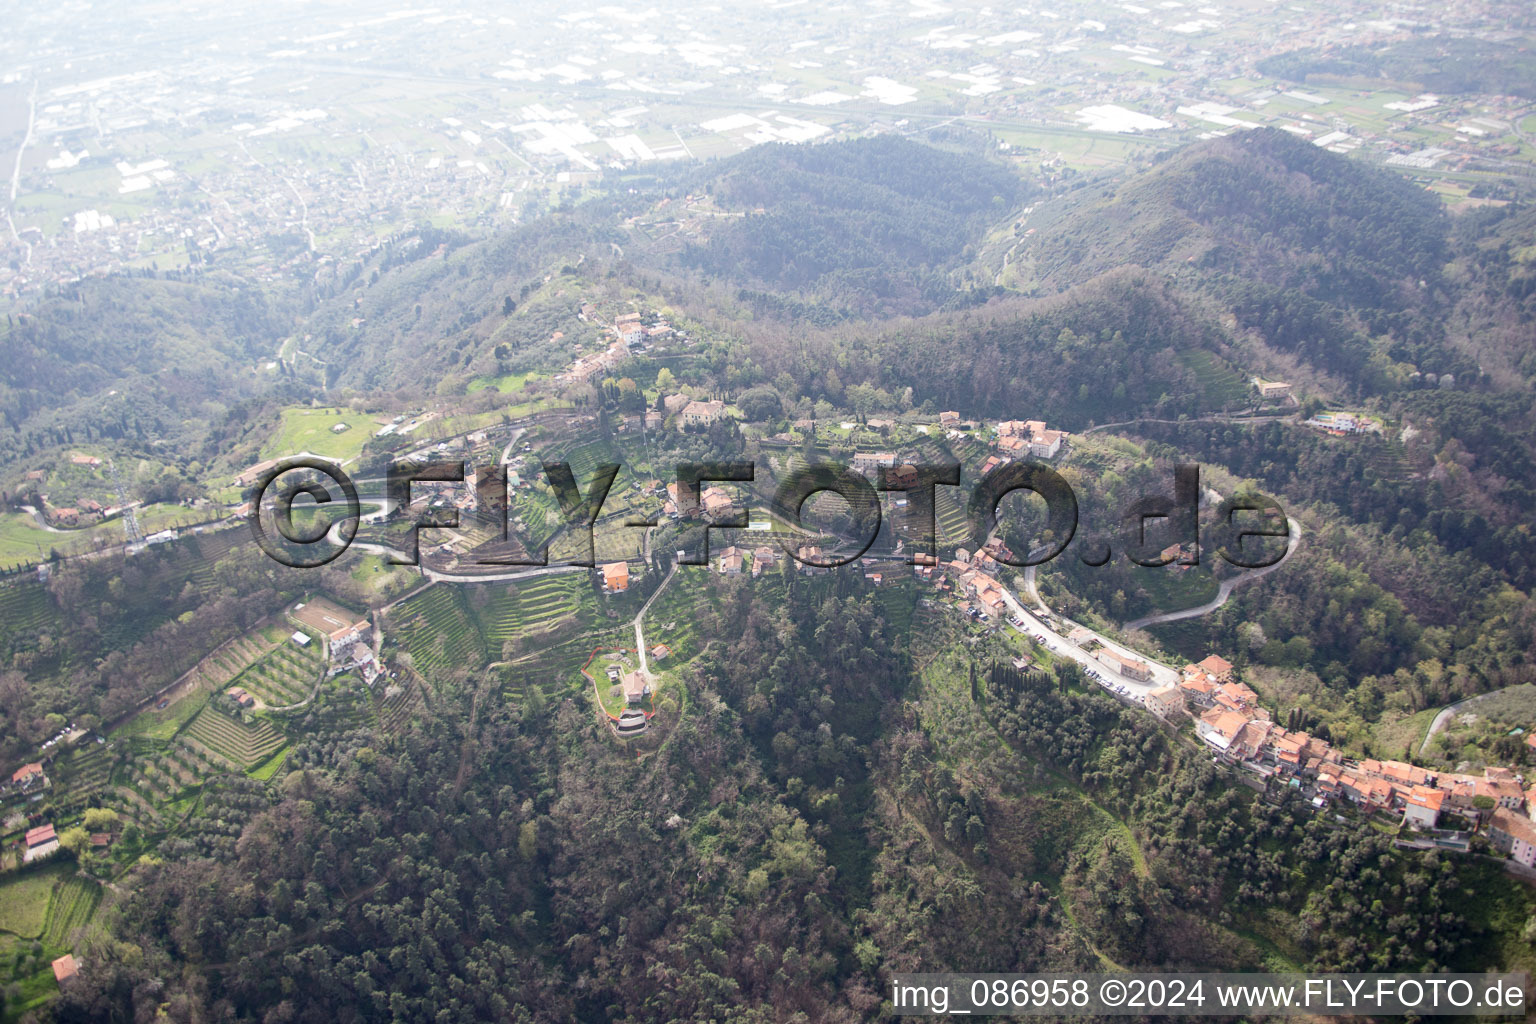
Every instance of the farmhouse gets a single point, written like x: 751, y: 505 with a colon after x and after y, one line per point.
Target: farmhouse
x: 334, y: 624
x: 40, y: 842
x: 615, y: 577
x: 730, y: 561
x: 869, y: 462
x: 763, y: 558
x: 697, y: 414
x: 29, y: 777
x: 636, y: 687
x: 252, y: 474
x: 65, y: 967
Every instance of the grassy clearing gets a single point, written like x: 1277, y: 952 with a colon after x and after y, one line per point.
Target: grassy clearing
x: 24, y: 900
x: 507, y: 383
x: 309, y: 430
x: 271, y: 766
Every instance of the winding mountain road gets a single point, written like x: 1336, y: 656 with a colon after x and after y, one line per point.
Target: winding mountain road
x: 1226, y: 588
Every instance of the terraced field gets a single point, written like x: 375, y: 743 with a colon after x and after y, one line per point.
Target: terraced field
x: 237, y: 743
x: 284, y: 675
x: 949, y: 513
x: 84, y: 771
x: 74, y: 902
x: 1388, y: 459
x: 518, y: 612
x: 25, y: 607
x: 394, y: 704
x: 675, y: 618
x: 209, y: 547
x: 898, y: 602
x: 134, y: 808
x: 1217, y: 380
x: 344, y: 706
x: 437, y: 629
x: 219, y: 669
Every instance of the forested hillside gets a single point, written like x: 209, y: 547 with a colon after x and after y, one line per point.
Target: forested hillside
x: 133, y: 358
x: 826, y: 778
x: 1106, y: 350
x: 1327, y: 260
x: 1432, y: 65
x: 863, y: 226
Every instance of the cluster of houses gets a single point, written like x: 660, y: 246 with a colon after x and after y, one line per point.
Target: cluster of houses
x: 1018, y: 439
x: 733, y: 561
x: 692, y: 412
x: 345, y: 637
x: 84, y: 512
x: 631, y: 336
x: 597, y: 364
x: 713, y: 501
x: 972, y: 573
x: 1230, y: 721
x: 337, y: 628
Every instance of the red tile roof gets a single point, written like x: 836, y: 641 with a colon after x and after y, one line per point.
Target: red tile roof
x: 65, y: 967
x: 26, y: 771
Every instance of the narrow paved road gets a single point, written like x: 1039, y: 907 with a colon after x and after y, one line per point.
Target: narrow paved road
x: 645, y: 667
x: 1444, y: 717
x: 1197, y: 419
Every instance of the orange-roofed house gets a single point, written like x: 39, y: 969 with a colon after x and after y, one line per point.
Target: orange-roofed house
x: 40, y: 842
x: 1218, y: 668
x: 1401, y: 773
x: 1501, y: 788
x: 616, y: 577
x: 1219, y: 728
x: 1422, y: 807
x: 1198, y: 688
x: 65, y: 967
x: 1250, y: 740
x: 763, y: 558
x: 730, y: 561
x: 29, y: 777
